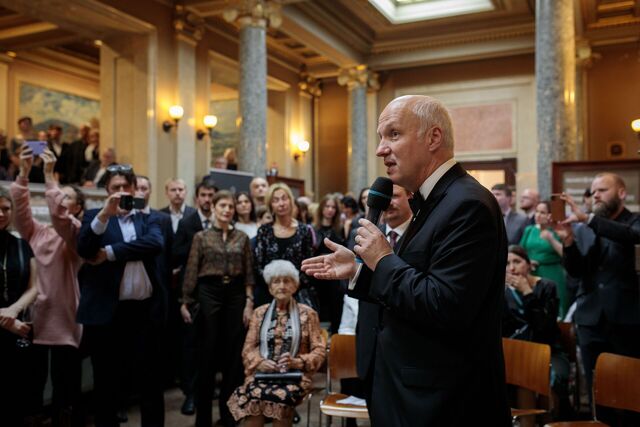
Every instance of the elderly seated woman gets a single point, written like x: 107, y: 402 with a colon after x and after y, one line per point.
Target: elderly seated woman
x: 283, y: 336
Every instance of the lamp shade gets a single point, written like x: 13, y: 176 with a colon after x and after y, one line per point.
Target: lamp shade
x: 304, y: 146
x: 176, y: 112
x: 210, y: 121
x: 635, y: 125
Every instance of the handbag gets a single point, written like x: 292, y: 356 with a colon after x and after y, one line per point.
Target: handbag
x: 289, y: 377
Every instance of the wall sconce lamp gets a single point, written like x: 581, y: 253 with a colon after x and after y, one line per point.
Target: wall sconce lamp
x: 302, y: 147
x: 175, y: 112
x: 209, y: 122
x: 635, y: 125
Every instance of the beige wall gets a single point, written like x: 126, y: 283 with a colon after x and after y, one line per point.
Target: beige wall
x: 333, y: 115
x: 613, y: 91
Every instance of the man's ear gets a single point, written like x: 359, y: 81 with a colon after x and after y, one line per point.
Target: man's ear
x: 622, y: 193
x: 434, y: 139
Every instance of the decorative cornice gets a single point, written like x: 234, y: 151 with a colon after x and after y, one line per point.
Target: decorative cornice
x: 358, y: 76
x: 188, y: 25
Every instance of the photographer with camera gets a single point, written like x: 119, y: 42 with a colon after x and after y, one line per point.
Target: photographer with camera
x: 123, y: 299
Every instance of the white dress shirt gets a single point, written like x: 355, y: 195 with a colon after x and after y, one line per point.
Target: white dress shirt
x: 206, y: 221
x: 176, y: 217
x: 135, y: 283
x: 425, y: 189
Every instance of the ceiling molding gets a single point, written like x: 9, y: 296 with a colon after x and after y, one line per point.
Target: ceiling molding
x: 59, y: 61
x: 26, y: 30
x: 453, y: 53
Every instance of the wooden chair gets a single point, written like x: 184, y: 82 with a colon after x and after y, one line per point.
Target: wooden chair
x: 569, y: 345
x: 342, y: 364
x: 319, y: 379
x: 616, y: 384
x: 527, y: 365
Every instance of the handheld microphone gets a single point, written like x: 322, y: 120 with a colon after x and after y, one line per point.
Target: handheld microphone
x: 378, y: 200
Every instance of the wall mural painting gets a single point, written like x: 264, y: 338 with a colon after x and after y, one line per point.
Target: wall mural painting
x: 226, y: 134
x: 47, y: 106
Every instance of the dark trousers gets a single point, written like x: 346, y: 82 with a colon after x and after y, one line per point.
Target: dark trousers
x: 606, y: 337
x: 188, y: 360
x: 220, y: 337
x: 66, y: 371
x: 15, y: 379
x: 130, y: 340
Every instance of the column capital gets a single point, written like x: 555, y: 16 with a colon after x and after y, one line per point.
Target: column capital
x: 585, y: 57
x: 309, y: 84
x: 358, y: 76
x: 255, y: 13
x: 188, y: 25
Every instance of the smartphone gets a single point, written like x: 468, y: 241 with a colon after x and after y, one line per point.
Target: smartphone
x: 558, y: 211
x: 126, y: 202
x: 37, y: 147
x: 138, y: 203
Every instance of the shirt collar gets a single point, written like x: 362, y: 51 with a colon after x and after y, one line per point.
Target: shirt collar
x: 204, y: 218
x: 399, y: 229
x: 427, y: 186
x: 180, y: 211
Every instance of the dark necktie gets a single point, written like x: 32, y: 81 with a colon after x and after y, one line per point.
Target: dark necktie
x: 393, y: 239
x: 205, y: 224
x: 416, y: 201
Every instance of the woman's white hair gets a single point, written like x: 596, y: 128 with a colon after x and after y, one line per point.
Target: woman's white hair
x: 280, y: 268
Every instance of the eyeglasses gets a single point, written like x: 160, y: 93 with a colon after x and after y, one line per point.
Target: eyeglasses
x: 120, y: 169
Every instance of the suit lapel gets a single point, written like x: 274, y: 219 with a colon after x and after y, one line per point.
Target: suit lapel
x: 138, y: 220
x: 436, y: 195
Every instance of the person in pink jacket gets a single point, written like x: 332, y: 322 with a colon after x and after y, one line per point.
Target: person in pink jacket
x: 55, y: 330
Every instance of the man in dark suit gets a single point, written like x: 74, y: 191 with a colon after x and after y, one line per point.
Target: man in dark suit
x: 514, y: 222
x: 438, y: 356
x: 176, y: 191
x: 608, y: 300
x: 187, y: 227
x: 122, y: 300
x: 396, y: 221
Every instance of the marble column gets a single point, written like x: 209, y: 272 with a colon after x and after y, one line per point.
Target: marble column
x: 555, y: 87
x: 252, y: 153
x: 358, y: 80
x: 253, y: 16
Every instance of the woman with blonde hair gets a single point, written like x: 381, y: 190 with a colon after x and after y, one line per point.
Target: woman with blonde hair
x: 285, y: 238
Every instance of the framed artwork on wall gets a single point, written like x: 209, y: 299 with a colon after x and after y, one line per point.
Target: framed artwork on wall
x: 226, y: 134
x: 48, y: 106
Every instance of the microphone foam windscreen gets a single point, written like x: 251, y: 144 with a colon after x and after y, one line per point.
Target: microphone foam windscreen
x: 380, y: 193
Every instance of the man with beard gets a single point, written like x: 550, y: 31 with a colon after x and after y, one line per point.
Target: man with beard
x: 608, y: 307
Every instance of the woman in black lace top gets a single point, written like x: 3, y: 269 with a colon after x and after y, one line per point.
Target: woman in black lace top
x: 285, y: 238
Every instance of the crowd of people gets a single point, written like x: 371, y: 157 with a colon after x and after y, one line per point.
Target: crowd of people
x: 175, y: 296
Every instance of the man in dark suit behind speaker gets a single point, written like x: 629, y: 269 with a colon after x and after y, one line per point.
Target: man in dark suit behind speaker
x: 438, y: 354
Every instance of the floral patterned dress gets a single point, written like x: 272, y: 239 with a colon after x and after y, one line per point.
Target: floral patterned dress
x: 277, y: 400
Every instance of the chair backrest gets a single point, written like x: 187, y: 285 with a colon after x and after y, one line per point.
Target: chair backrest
x: 568, y: 339
x: 342, y: 357
x: 527, y: 365
x: 616, y: 382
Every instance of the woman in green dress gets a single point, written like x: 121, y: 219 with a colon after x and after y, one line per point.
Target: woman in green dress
x: 545, y: 250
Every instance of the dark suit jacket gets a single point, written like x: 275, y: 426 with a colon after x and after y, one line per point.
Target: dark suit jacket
x: 100, y: 284
x: 164, y: 259
x: 189, y: 225
x: 515, y: 224
x: 188, y: 210
x: 438, y: 359
x: 609, y: 284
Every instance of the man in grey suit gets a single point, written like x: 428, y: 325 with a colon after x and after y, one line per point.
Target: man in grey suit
x: 514, y: 222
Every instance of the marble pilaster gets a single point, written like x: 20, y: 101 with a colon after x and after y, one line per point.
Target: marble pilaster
x: 358, y: 80
x: 555, y: 87
x: 4, y: 90
x: 188, y: 31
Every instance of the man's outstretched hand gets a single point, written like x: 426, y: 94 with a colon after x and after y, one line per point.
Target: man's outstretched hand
x: 341, y: 264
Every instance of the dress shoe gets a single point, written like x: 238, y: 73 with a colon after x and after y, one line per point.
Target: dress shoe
x: 188, y: 407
